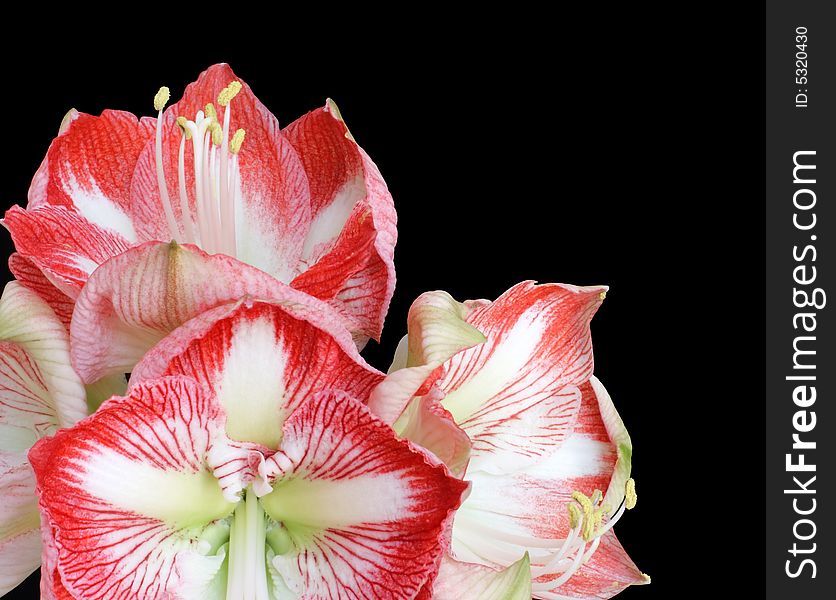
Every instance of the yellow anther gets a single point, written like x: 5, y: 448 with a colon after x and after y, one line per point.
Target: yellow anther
x: 630, y: 494
x: 217, y: 133
x: 161, y: 99
x: 209, y: 111
x: 228, y: 93
x: 237, y: 140
x: 585, y: 502
x: 588, y: 530
x: 574, y: 515
x: 181, y: 122
x: 602, y: 295
x: 596, y: 497
x: 597, y: 519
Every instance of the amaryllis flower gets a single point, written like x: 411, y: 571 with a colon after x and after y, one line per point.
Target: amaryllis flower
x: 304, y: 204
x: 243, y: 464
x: 520, y: 416
x: 39, y: 392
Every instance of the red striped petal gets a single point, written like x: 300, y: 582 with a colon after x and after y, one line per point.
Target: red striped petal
x: 31, y: 277
x: 365, y: 511
x: 347, y: 194
x: 89, y: 166
x: 64, y: 245
x: 39, y: 390
x: 135, y: 299
x: 608, y: 572
x: 428, y: 424
x: 516, y: 395
x: 126, y: 492
x: 535, y: 498
x: 263, y: 360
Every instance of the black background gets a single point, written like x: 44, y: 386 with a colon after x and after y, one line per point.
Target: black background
x: 625, y: 153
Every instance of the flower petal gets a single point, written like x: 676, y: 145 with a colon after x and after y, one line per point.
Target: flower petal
x: 437, y: 331
x: 31, y: 277
x: 127, y: 492
x: 607, y: 573
x: 533, y: 501
x: 427, y: 424
x: 39, y: 387
x: 364, y: 510
x: 89, y: 166
x: 20, y: 537
x: 458, y: 580
x: 401, y: 355
x: 590, y: 423
x: 348, y: 195
x: 274, y: 216
x: 135, y: 299
x: 64, y: 245
x: 516, y: 395
x: 262, y: 360
x: 51, y: 586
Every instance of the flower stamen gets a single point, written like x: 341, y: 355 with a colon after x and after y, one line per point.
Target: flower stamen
x: 160, y: 100
x: 589, y: 520
x: 216, y: 175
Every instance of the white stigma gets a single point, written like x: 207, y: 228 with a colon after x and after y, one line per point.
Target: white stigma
x: 217, y: 177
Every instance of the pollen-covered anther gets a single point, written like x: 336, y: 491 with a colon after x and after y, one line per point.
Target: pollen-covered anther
x: 210, y: 111
x: 161, y: 98
x: 597, y: 519
x: 630, y: 497
x: 583, y: 500
x: 182, y: 122
x: 237, y: 140
x: 574, y: 515
x: 217, y: 133
x: 592, y: 516
x: 228, y: 93
x: 590, y: 519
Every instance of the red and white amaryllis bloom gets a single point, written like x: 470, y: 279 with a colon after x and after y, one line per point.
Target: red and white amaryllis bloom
x: 304, y: 204
x: 39, y: 392
x: 243, y: 464
x: 503, y: 393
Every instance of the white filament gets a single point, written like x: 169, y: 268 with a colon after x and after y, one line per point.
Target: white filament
x: 216, y: 187
x: 478, y: 542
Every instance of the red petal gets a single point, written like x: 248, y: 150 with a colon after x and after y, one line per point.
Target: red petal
x: 607, y: 573
x: 347, y: 193
x: 136, y: 298
x: 389, y: 505
x: 263, y: 360
x: 516, y: 395
x: 89, y: 166
x: 65, y: 246
x: 430, y: 426
x: 118, y: 535
x: 25, y: 271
